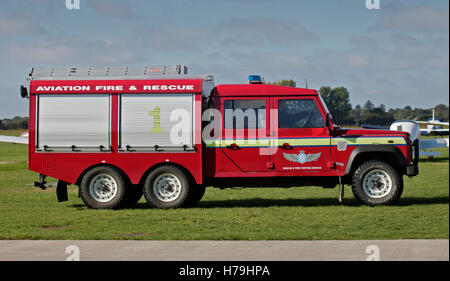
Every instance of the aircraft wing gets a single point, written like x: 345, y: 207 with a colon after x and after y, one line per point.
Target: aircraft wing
x: 442, y: 132
x: 11, y: 139
x: 433, y: 143
x: 376, y: 127
x: 433, y: 123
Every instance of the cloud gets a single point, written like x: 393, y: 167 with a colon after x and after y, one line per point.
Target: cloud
x: 395, y: 70
x: 261, y: 32
x: 415, y: 19
x: 172, y: 38
x: 17, y: 25
x: 113, y: 8
x: 70, y: 51
x: 406, y: 53
x: 12, y: 104
x: 257, y: 33
x: 384, y: 69
x: 363, y: 43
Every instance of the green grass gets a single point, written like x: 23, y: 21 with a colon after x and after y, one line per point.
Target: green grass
x: 15, y: 133
x: 306, y: 213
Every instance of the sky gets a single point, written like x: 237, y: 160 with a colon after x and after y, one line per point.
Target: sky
x: 397, y: 55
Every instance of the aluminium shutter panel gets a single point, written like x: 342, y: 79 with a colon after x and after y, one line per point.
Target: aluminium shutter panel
x: 139, y: 118
x: 80, y: 120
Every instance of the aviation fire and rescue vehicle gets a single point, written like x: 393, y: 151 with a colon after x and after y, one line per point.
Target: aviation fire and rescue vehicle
x: 122, y: 132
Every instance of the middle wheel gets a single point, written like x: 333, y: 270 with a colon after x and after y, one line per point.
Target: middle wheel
x: 166, y: 187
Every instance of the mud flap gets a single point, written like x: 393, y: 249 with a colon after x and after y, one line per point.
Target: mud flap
x: 61, y: 191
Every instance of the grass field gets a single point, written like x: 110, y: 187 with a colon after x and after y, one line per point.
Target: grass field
x: 306, y: 213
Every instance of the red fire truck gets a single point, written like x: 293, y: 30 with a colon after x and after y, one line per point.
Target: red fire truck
x: 120, y: 133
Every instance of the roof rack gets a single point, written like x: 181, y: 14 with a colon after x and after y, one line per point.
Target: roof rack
x: 98, y: 72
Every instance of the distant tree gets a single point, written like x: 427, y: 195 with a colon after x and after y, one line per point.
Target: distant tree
x: 338, y: 102
x: 377, y: 119
x: 356, y: 114
x: 287, y: 83
x: 391, y: 111
x: 376, y: 115
x: 368, y: 105
x: 421, y: 114
x: 409, y: 108
x: 378, y: 110
x: 23, y: 123
x: 442, y: 112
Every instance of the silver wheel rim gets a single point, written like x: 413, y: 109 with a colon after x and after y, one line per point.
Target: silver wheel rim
x: 377, y: 184
x: 167, y: 187
x: 103, y: 188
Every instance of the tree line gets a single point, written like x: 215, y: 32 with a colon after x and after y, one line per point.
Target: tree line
x: 16, y: 123
x: 338, y: 103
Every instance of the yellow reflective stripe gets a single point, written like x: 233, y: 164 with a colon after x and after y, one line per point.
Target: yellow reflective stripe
x: 369, y: 140
x: 212, y: 143
x: 304, y: 142
x: 248, y: 142
x: 241, y: 143
x: 307, y: 141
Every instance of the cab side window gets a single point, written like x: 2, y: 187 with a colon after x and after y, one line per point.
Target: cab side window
x: 299, y: 113
x: 244, y: 114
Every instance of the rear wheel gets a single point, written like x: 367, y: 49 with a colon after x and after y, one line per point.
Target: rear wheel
x: 133, y: 194
x: 102, y: 188
x: 166, y: 187
x: 377, y: 183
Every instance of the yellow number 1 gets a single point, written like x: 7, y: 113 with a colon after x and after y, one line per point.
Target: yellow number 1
x: 156, y: 114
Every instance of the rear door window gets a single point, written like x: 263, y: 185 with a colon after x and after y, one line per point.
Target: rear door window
x: 244, y: 114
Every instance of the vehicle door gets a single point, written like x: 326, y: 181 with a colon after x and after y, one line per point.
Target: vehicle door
x: 245, y: 133
x: 301, y: 135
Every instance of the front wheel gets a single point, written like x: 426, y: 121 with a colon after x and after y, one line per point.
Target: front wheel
x: 377, y: 183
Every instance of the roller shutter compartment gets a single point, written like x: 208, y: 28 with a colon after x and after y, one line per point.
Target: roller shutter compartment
x: 73, y: 122
x: 156, y: 122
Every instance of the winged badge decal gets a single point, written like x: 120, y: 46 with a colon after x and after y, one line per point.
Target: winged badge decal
x: 302, y: 157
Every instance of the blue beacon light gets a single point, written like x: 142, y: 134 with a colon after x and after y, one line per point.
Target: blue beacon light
x: 255, y: 79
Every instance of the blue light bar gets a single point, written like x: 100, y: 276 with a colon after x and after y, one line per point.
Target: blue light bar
x: 255, y: 79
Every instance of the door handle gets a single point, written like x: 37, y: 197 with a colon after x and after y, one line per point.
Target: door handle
x: 233, y: 146
x: 286, y: 146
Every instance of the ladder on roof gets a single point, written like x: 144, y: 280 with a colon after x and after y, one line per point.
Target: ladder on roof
x: 108, y: 71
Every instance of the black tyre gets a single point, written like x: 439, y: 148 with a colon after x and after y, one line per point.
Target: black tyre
x: 102, y: 187
x: 195, y: 195
x: 166, y: 187
x: 401, y: 186
x: 377, y: 183
x: 133, y: 193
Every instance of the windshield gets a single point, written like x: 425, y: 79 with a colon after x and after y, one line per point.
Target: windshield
x: 326, y: 108
x: 324, y: 103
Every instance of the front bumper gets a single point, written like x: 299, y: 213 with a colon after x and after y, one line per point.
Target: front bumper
x: 413, y: 170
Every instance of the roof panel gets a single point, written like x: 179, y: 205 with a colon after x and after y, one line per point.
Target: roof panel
x: 260, y: 89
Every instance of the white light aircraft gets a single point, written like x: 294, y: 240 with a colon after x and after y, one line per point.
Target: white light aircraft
x: 424, y: 144
x: 434, y: 127
x: 23, y: 139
